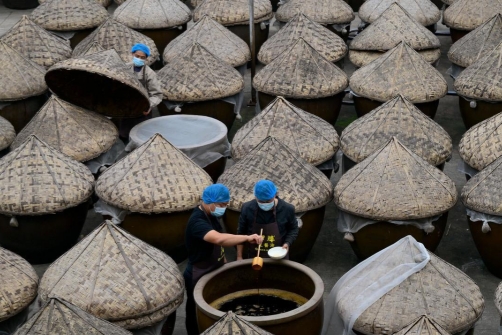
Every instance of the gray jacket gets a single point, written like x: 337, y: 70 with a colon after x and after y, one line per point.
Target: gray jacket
x: 148, y: 78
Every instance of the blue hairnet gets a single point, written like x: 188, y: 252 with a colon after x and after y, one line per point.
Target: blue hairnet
x: 216, y: 193
x: 264, y: 190
x: 141, y: 47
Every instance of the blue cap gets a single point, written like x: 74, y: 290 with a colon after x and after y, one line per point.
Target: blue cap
x: 141, y: 47
x: 215, y: 193
x: 264, y: 190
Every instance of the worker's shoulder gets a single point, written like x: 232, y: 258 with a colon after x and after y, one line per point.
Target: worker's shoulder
x: 149, y: 71
x: 250, y: 205
x: 286, y: 206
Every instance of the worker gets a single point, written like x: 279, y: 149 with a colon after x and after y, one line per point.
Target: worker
x: 205, y: 241
x: 268, y: 212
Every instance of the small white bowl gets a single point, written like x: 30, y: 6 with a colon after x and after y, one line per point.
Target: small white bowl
x: 277, y: 253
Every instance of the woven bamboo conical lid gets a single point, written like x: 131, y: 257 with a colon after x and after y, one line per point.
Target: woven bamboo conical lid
x: 401, y: 119
x: 69, y: 15
x: 363, y: 58
x: 468, y: 14
x: 299, y: 183
x: 154, y: 178
x: 104, y: 84
x: 448, y: 2
x: 37, y: 44
x: 114, y: 35
x: 400, y: 70
x: 18, y: 284
x: 117, y: 277
x: 62, y: 318
x: 74, y: 131
x: 327, y: 43
x: 423, y: 326
x: 498, y: 299
x: 321, y: 11
x: 199, y: 76
x: 424, y: 11
x: 7, y: 133
x: 217, y: 39
x: 477, y: 43
x: 301, y: 73
x: 231, y: 324
x: 90, y: 49
x: 394, y: 183
x: 155, y: 14
x: 36, y: 179
x: 313, y: 138
x: 104, y: 3
x: 233, y: 12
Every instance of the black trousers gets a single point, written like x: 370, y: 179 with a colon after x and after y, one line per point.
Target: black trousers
x: 190, y: 310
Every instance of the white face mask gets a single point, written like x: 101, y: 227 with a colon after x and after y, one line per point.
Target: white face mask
x: 266, y: 206
x: 138, y: 62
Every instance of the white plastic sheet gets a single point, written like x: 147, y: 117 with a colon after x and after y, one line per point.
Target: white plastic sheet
x: 117, y: 214
x: 466, y: 169
x: 64, y: 34
x: 108, y: 158
x: 485, y: 218
x: 454, y: 71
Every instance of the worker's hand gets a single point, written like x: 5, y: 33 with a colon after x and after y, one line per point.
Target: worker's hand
x: 255, y: 239
x: 285, y: 246
x: 147, y: 112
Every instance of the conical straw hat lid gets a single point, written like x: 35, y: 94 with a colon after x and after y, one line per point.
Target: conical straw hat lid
x: 423, y: 326
x: 424, y: 11
x: 301, y: 73
x: 199, y: 76
x: 401, y: 119
x: 100, y: 82
x: 498, y: 299
x: 59, y: 317
x: 154, y: 178
x: 362, y: 58
x: 69, y: 15
x: 448, y: 2
x: 104, y: 3
x: 400, y: 70
x: 321, y: 11
x: 50, y: 181
x: 233, y: 12
x: 481, y: 80
x: 152, y: 14
x: 299, y: 183
x: 395, y: 184
x: 21, y: 78
x: 117, y: 277
x: 37, y: 44
x: 18, y: 284
x: 395, y: 24
x: 231, y: 324
x: 327, y: 43
x: 477, y: 43
x: 114, y: 35
x: 7, y: 133
x: 468, y: 14
x: 90, y: 49
x: 74, y: 131
x: 217, y: 39
x: 313, y: 138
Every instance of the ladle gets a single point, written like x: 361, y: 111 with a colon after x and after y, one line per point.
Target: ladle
x: 258, y: 261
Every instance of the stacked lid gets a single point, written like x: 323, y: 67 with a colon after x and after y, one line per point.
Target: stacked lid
x: 104, y: 3
x: 424, y: 11
x: 217, y: 39
x: 394, y: 183
x: 395, y: 24
x: 152, y: 14
x: 18, y: 284
x: 498, y: 299
x: 322, y: 11
x: 401, y: 119
x: 299, y: 183
x: 301, y: 73
x: 400, y: 70
x: 231, y: 324
x: 233, y: 12
x: 314, y: 139
x: 90, y: 48
x: 327, y: 43
x: 74, y: 131
x: 7, y: 133
x: 117, y: 277
x: 198, y: 75
x: 154, y: 178
x: 468, y: 15
x: 423, y: 326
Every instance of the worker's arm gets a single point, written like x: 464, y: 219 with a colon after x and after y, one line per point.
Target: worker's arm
x: 242, y: 230
x: 240, y: 249
x: 230, y: 240
x: 155, y: 94
x: 291, y: 227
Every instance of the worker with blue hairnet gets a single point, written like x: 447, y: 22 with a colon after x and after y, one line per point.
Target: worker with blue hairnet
x: 205, y: 240
x: 268, y: 212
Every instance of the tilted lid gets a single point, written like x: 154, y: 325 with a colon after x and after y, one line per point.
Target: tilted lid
x: 62, y: 318
x: 231, y: 324
x: 114, y: 35
x: 37, y: 44
x: 217, y: 39
x: 468, y: 14
x: 298, y: 182
x: 321, y: 11
x: 154, y: 178
x: 74, y: 131
x: 105, y: 84
x: 324, y: 41
x: 69, y: 15
x: 7, y: 133
x: 394, y: 183
x: 117, y: 277
x: 498, y: 299
x: 424, y: 11
x: 423, y: 326
x: 401, y: 119
x: 90, y: 49
x: 362, y: 58
x: 395, y: 25
x: 302, y: 73
x: 313, y: 138
x: 233, y: 12
x: 18, y: 284
x: 198, y: 75
x: 477, y: 43
x: 400, y: 70
x: 36, y: 179
x: 152, y: 14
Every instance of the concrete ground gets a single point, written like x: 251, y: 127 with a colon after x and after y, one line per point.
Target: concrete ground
x: 331, y: 257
